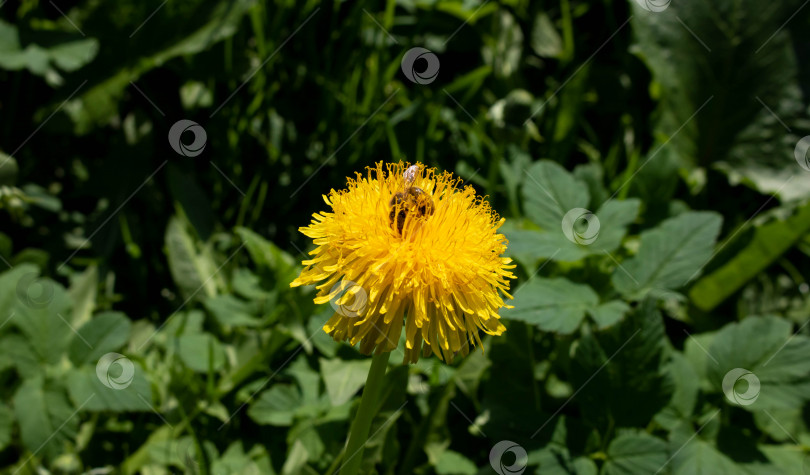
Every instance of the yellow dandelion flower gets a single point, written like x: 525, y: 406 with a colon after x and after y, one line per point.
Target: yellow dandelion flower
x: 405, y: 247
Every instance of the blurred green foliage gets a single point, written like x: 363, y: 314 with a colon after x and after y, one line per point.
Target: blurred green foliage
x: 146, y: 319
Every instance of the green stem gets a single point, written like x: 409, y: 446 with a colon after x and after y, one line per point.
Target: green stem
x: 358, y: 434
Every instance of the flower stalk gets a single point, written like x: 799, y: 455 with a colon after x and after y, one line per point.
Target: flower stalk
x: 358, y: 434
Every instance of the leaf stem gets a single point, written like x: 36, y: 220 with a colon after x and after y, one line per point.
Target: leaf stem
x: 358, y: 434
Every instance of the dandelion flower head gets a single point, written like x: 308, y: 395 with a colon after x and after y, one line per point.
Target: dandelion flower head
x: 409, y: 247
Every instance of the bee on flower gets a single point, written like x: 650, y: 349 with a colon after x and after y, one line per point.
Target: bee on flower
x: 425, y: 253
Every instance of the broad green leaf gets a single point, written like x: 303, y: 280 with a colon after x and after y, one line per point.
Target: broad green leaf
x: 556, y: 304
x: 106, y: 332
x: 632, y: 453
x: 184, y: 323
x: 510, y: 396
x: 788, y: 459
x: 268, y: 256
x: 235, y: 460
x: 41, y: 313
x: 549, y: 192
x: 276, y: 406
x: 729, y: 113
x: 83, y: 290
x: 698, y: 457
x: 613, y: 218
x: 684, y: 395
x: 296, y: 459
x: 608, y: 313
x: 40, y: 60
x: 453, y: 463
x: 191, y: 269
x: 545, y: 41
x: 670, y: 255
x: 343, y: 378
x: 9, y: 288
x: 766, y: 347
x: 231, y: 311
x: 622, y: 366
x: 21, y: 355
x: 200, y: 352
x: 781, y: 424
x: 47, y: 420
x: 770, y: 241
x: 135, y: 393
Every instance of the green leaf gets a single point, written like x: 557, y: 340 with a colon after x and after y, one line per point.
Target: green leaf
x: 619, y: 370
x: 268, y: 256
x: 730, y: 114
x: 8, y: 170
x: 21, y: 355
x: 608, y: 313
x: 613, y: 218
x: 344, y: 378
x: 41, y: 313
x: 556, y: 304
x: 453, y: 463
x: 67, y: 55
x: 106, y: 332
x: 766, y: 347
x: 47, y: 420
x: 9, y: 283
x: 633, y: 453
x: 135, y: 394
x: 276, y: 406
x: 669, y: 255
x: 191, y: 269
x: 698, y: 457
x: 83, y: 291
x: 685, y: 394
x: 231, y: 311
x: 769, y: 242
x: 549, y: 192
x: 200, y: 352
x: 545, y: 41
